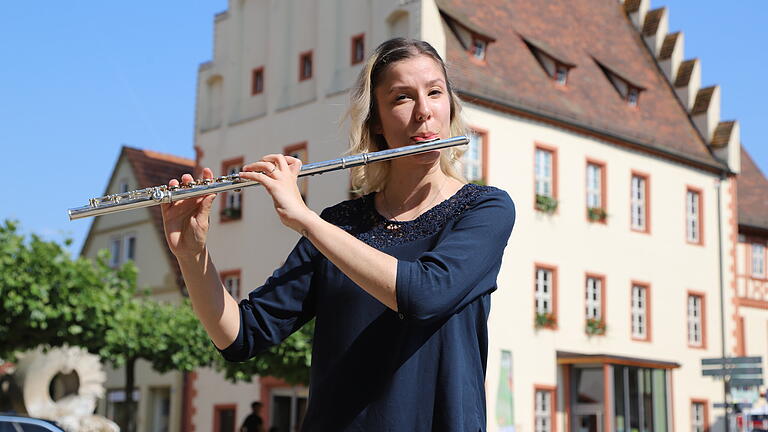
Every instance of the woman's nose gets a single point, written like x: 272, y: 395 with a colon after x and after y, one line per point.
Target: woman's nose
x: 423, y: 111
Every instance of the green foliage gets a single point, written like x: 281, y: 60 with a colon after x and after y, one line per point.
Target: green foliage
x: 595, y: 326
x: 545, y: 320
x: 546, y: 204
x: 596, y: 214
x: 289, y: 361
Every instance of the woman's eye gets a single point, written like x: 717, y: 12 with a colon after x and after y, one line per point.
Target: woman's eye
x: 435, y: 92
x: 401, y: 97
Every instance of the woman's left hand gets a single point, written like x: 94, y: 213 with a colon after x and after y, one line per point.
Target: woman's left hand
x: 278, y: 174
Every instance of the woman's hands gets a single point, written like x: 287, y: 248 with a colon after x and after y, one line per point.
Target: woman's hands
x: 278, y: 174
x: 186, y: 221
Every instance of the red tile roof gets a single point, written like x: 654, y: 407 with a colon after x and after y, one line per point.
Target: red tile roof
x: 153, y: 169
x: 587, y: 30
x: 752, y: 194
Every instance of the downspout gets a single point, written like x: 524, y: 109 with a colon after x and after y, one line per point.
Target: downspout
x: 722, y: 294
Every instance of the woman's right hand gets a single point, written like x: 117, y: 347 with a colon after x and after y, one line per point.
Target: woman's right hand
x: 186, y: 221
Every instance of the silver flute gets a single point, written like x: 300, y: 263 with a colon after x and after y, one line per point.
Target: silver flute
x: 167, y: 194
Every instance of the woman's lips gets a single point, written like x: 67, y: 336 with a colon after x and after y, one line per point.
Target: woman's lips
x: 422, y: 138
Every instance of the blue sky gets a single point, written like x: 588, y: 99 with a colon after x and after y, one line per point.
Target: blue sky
x: 82, y: 78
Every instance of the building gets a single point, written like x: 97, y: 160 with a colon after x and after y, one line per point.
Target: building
x: 588, y: 114
x: 138, y: 236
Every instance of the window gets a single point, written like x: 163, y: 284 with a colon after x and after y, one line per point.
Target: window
x: 288, y: 409
x: 478, y: 48
x: 561, y: 73
x: 257, y: 81
x: 115, y: 246
x: 595, y: 192
x: 595, y: 304
x: 633, y: 94
x: 696, y: 320
x: 641, y: 399
x: 159, y: 409
x: 544, y: 409
x: 629, y: 92
x: 299, y: 151
x: 305, y: 66
x: 640, y: 313
x: 358, y: 49
x: 472, y: 159
x: 545, y: 172
x: 758, y: 260
x: 124, y: 186
x: 693, y: 216
x: 129, y: 242
x: 545, y: 297
x: 224, y: 418
x: 232, y: 201
x: 117, y: 407
x: 231, y: 281
x: 699, y: 421
x: 639, y: 206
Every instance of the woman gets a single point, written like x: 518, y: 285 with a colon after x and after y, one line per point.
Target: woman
x: 399, y: 280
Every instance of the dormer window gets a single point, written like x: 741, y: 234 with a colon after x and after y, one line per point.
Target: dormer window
x: 554, y: 67
x: 627, y: 90
x: 478, y: 48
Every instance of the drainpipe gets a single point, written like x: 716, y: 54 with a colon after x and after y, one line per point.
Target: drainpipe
x: 718, y: 184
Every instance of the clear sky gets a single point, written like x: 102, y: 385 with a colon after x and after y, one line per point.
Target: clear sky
x: 82, y: 78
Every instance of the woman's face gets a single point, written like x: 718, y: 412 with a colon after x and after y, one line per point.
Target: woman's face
x: 413, y: 103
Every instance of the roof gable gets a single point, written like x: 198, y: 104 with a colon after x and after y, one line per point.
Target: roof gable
x: 752, y: 193
x: 586, y: 30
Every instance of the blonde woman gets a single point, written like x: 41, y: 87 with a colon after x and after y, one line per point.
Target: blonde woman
x: 399, y: 280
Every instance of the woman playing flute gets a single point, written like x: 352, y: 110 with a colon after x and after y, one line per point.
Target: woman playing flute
x: 398, y: 280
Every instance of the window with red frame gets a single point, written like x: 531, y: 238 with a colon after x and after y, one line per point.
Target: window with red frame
x: 699, y: 421
x: 232, y: 201
x: 224, y: 418
x: 257, y: 81
x: 595, y: 192
x: 639, y: 203
x: 696, y: 320
x: 231, y: 281
x: 693, y: 216
x: 594, y: 303
x: 758, y: 260
x: 640, y: 312
x: 545, y: 297
x: 305, y: 66
x: 544, y: 410
x: 358, y: 49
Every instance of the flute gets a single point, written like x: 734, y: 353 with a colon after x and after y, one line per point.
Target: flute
x: 165, y: 194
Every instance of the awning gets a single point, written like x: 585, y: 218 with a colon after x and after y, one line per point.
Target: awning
x: 578, y: 358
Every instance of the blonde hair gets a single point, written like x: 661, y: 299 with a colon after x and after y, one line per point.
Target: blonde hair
x: 362, y: 114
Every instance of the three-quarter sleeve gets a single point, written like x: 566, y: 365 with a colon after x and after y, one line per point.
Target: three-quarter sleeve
x: 279, y: 307
x: 462, y: 266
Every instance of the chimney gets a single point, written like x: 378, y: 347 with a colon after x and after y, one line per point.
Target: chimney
x: 688, y: 82
x: 655, y: 29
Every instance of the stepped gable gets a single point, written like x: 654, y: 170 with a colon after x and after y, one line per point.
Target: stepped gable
x: 752, y: 193
x: 703, y: 98
x: 652, y: 20
x: 668, y: 46
x: 587, y: 30
x: 685, y: 72
x: 153, y: 169
x: 722, y: 134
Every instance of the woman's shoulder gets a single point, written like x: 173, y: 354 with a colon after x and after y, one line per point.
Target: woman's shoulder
x: 349, y: 212
x: 473, y: 196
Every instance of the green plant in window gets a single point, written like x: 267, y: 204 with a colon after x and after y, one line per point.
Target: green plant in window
x: 231, y: 212
x: 546, y: 203
x: 545, y: 320
x: 597, y: 214
x: 595, y: 326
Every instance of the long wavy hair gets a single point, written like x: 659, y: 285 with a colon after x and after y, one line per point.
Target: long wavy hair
x: 363, y: 114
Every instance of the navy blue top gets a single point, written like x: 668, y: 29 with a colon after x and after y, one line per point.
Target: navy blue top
x: 374, y: 369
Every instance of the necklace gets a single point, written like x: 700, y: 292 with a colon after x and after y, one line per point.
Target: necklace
x: 421, y: 209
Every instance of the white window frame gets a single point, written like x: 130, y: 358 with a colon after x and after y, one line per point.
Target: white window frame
x: 479, y: 48
x: 758, y: 260
x: 472, y: 159
x: 639, y: 202
x: 633, y: 95
x: 544, y: 173
x: 543, y: 411
x: 698, y: 422
x: 232, y: 284
x: 295, y: 394
x: 594, y: 185
x: 639, y: 312
x: 692, y: 216
x: 695, y: 320
x: 543, y: 291
x: 561, y: 73
x: 594, y: 292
